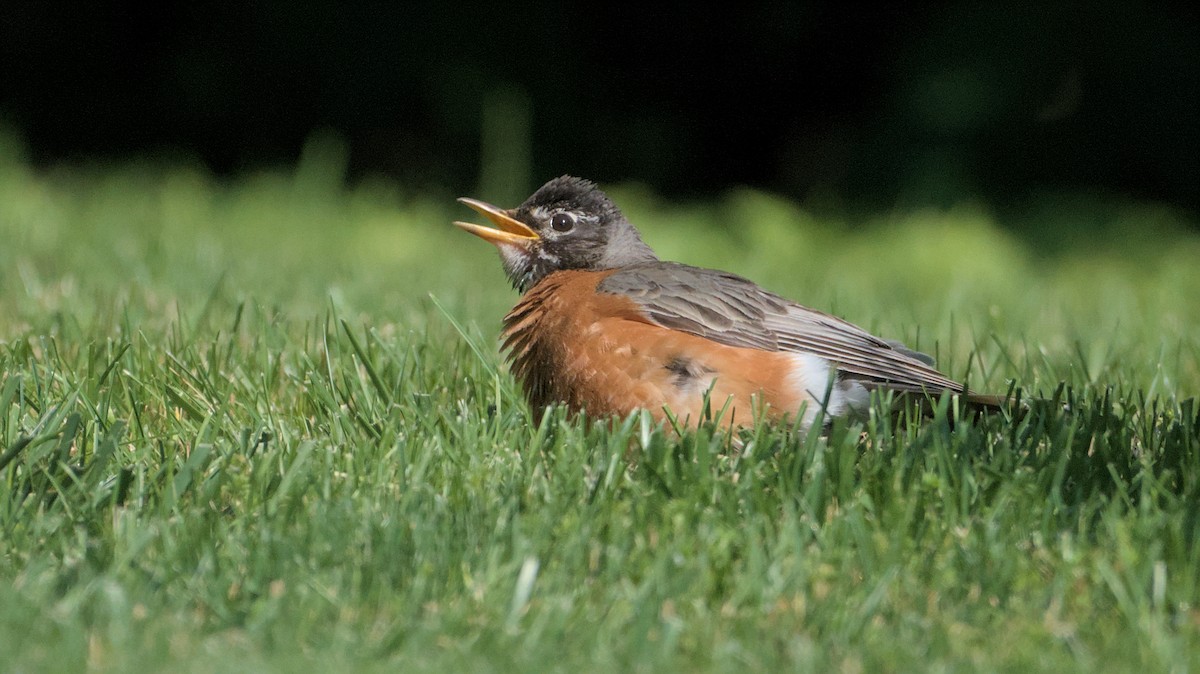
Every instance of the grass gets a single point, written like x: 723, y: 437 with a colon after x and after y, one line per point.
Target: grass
x: 262, y: 424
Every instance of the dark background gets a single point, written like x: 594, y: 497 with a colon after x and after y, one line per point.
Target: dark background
x: 822, y: 100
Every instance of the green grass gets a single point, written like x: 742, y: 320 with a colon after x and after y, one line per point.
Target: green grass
x: 240, y: 430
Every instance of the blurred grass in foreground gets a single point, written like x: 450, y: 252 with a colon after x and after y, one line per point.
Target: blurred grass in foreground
x: 235, y: 432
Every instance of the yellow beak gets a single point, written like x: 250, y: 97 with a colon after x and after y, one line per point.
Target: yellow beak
x: 509, y: 230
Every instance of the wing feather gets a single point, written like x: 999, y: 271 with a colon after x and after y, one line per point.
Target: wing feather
x: 732, y: 310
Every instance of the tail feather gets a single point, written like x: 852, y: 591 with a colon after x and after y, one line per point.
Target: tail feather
x: 994, y: 401
x: 1012, y: 403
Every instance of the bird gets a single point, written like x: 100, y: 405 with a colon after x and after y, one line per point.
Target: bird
x: 605, y: 327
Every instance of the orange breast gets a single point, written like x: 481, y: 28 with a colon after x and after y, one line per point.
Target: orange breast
x: 597, y: 352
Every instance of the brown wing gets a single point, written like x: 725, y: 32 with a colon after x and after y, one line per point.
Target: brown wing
x: 732, y: 310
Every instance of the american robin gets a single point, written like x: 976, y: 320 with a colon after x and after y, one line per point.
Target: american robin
x: 604, y: 325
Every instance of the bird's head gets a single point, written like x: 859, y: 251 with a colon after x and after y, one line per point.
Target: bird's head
x: 568, y: 223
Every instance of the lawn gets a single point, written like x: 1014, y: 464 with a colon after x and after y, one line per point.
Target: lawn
x: 262, y: 423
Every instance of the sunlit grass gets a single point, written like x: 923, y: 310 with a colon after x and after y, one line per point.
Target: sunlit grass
x: 240, y: 429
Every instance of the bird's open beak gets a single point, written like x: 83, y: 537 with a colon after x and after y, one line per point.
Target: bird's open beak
x: 510, y: 230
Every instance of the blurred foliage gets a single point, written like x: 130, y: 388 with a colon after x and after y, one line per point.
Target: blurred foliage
x: 915, y: 104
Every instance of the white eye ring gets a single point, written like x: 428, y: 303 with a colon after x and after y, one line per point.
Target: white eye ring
x: 562, y: 222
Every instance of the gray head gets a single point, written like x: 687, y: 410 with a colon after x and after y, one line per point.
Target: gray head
x: 567, y: 224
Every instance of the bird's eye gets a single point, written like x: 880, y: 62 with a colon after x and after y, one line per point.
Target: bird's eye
x: 562, y: 222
